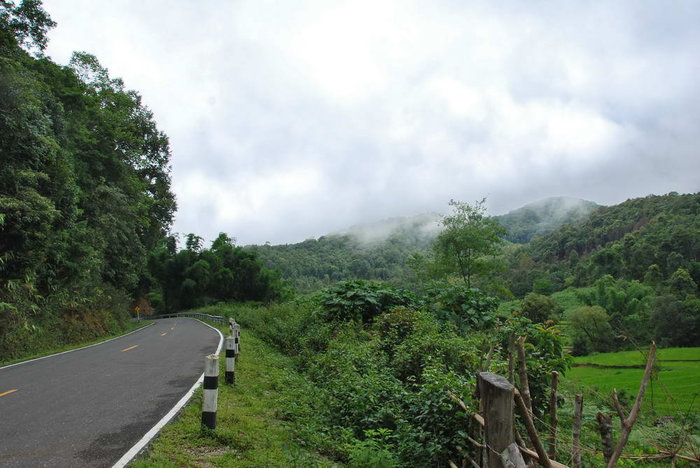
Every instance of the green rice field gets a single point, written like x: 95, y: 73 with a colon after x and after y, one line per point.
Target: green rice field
x: 675, y: 385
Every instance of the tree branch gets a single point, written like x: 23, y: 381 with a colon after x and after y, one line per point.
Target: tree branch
x: 522, y: 373
x: 634, y: 412
x: 531, y: 431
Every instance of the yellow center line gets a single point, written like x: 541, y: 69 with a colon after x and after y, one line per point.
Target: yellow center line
x: 163, y: 334
x: 8, y: 392
x: 130, y: 348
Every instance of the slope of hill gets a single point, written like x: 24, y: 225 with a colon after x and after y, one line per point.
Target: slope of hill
x: 379, y: 251
x: 542, y: 216
x: 623, y: 241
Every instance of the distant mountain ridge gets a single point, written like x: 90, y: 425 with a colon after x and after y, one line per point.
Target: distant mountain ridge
x: 523, y: 223
x: 540, y: 217
x: 380, y: 250
x: 424, y: 227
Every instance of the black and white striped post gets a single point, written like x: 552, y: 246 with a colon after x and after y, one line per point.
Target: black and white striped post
x: 211, y: 390
x: 230, y: 360
x: 237, y: 335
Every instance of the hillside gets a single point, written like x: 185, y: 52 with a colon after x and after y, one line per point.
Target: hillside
x: 621, y: 240
x: 543, y: 216
x: 379, y: 251
x: 625, y: 240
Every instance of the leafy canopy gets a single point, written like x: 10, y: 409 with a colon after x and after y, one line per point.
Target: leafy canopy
x: 470, y: 241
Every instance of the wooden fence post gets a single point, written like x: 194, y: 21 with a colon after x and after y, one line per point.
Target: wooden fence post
x: 553, y: 420
x: 576, y: 432
x: 497, y: 403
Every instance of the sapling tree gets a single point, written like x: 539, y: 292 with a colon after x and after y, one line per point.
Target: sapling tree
x: 470, y: 241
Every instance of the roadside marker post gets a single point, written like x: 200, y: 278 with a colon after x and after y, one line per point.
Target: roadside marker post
x: 237, y: 334
x: 211, y: 390
x: 231, y: 360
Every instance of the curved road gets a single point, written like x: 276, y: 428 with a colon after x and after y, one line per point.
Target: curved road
x: 88, y: 407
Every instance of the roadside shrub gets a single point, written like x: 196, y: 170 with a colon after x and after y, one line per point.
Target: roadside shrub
x: 433, y: 427
x: 361, y: 300
x: 374, y: 451
x: 467, y: 308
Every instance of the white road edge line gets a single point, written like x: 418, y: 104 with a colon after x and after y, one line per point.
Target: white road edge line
x: 133, y: 451
x: 77, y: 349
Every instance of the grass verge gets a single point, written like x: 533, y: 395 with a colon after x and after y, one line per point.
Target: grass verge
x: 250, y: 431
x: 130, y: 327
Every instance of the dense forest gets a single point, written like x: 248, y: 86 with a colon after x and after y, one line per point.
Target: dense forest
x: 643, y: 252
x: 86, y: 203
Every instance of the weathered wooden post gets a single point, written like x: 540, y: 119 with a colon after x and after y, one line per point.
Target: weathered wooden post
x: 230, y: 360
x: 497, y: 402
x: 553, y: 420
x: 576, y: 432
x: 211, y: 390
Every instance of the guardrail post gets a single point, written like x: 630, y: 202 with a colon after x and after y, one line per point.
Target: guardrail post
x: 211, y: 390
x: 230, y: 360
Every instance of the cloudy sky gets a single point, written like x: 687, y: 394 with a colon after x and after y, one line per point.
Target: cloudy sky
x: 292, y: 119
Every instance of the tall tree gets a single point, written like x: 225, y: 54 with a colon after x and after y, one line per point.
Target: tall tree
x: 469, y: 242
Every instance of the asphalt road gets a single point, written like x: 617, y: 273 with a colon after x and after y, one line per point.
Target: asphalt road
x: 88, y: 407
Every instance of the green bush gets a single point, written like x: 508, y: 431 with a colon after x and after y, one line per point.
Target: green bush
x: 467, y: 308
x: 361, y: 301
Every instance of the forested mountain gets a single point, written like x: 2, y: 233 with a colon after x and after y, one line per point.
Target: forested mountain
x: 85, y: 201
x: 654, y: 235
x: 540, y: 217
x: 380, y: 251
x: 377, y: 251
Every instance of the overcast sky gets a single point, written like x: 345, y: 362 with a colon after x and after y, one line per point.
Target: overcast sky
x: 292, y: 119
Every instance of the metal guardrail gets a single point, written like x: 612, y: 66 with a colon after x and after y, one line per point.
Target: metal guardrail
x: 213, y: 318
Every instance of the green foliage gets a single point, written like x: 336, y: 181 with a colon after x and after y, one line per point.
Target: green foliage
x: 676, y: 322
x: 544, y: 216
x: 378, y: 390
x: 466, y: 308
x: 682, y: 284
x: 469, y: 242
x: 361, y: 301
x: 537, y: 308
x: 196, y: 277
x: 317, y: 263
x: 374, y: 451
x: 24, y: 25
x: 84, y: 189
x: 623, y: 240
x: 627, y: 304
x: 591, y: 330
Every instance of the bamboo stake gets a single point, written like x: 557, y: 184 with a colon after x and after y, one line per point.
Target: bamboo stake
x: 628, y: 422
x: 522, y: 373
x: 576, y: 432
x: 605, y: 429
x: 553, y: 421
x: 531, y: 431
x: 511, y: 357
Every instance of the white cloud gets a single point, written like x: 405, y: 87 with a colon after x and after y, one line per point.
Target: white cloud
x: 293, y: 119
